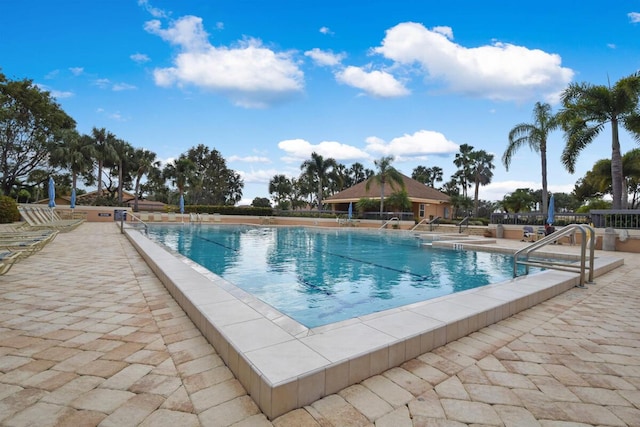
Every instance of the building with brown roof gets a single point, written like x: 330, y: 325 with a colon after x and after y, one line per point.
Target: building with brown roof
x: 426, y: 202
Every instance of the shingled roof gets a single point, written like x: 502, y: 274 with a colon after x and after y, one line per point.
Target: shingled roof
x: 416, y: 191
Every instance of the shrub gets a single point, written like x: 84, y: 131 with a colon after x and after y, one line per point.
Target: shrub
x: 8, y: 210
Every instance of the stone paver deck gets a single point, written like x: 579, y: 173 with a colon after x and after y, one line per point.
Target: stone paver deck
x: 89, y: 336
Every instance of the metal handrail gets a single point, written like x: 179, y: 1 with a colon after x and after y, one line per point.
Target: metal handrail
x: 394, y: 219
x: 416, y: 226
x: 588, y: 239
x: 146, y: 226
x: 463, y: 222
x: 435, y: 221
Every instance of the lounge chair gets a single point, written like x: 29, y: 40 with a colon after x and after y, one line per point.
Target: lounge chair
x: 7, y: 259
x: 204, y: 217
x: 171, y: 216
x: 37, y: 220
x: 527, y: 234
x: 157, y: 216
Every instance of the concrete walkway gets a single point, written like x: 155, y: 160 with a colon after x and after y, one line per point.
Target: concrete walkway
x: 89, y: 336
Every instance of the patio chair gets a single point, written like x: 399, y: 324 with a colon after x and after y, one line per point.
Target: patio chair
x: 527, y: 234
x: 7, y: 259
x: 37, y: 220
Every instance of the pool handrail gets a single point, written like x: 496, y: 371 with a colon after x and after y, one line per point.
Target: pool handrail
x: 587, y: 240
x: 139, y: 220
x: 389, y: 221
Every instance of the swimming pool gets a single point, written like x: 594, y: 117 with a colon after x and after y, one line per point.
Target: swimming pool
x: 321, y: 276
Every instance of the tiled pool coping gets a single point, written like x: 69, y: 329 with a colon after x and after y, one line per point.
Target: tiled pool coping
x: 284, y: 365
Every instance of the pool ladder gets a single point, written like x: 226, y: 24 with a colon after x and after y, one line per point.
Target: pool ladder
x: 395, y: 219
x: 587, y: 242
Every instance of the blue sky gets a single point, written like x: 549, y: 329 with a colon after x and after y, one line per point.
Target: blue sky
x: 266, y: 83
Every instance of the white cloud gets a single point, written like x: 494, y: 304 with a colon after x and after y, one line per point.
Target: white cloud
x: 117, y: 87
x: 300, y: 150
x: 379, y: 84
x: 76, y: 71
x: 611, y: 45
x: 249, y: 159
x: 52, y: 74
x: 250, y: 74
x: 140, y: 58
x: 326, y: 30
x: 419, y: 144
x: 634, y: 17
x: 155, y: 12
x: 500, y: 71
x: 262, y: 176
x: 102, y: 83
x: 325, y: 57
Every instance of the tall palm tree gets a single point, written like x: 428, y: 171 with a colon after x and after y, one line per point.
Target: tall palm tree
x: 320, y: 169
x: 534, y: 135
x: 386, y: 173
x: 103, y: 145
x: 463, y: 162
x: 180, y: 171
x: 481, y: 166
x: 123, y: 151
x: 587, y: 109
x: 144, y: 161
x: 76, y: 153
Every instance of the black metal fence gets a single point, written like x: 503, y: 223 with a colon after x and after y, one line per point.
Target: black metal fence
x: 625, y: 218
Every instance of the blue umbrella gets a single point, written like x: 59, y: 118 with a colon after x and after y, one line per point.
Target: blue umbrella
x: 73, y: 198
x: 181, y: 204
x: 552, y: 203
x: 52, y: 195
x: 350, y: 211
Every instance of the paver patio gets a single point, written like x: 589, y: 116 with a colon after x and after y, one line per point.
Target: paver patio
x: 89, y: 336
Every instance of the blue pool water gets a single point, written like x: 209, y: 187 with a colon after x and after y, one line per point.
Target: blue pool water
x: 320, y: 276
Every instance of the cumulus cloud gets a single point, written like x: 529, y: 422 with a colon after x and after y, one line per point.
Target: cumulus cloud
x: 379, y: 84
x: 261, y: 176
x: 76, y: 71
x: 250, y: 74
x: 419, y: 144
x: 325, y: 57
x: 58, y: 94
x: 298, y: 150
x: 140, y: 58
x: 499, y: 71
x: 634, y: 17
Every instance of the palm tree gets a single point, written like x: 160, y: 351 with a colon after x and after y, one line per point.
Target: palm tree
x: 144, y: 161
x: 535, y: 136
x: 76, y: 153
x: 122, y: 150
x: 463, y: 162
x: 283, y: 189
x: 587, y: 109
x: 103, y: 144
x: 180, y: 171
x: 386, y: 173
x: 481, y: 165
x: 320, y: 169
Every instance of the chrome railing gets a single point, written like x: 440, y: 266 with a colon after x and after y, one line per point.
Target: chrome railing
x: 588, y: 241
x: 394, y: 219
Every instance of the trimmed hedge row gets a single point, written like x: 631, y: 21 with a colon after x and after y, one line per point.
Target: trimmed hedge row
x: 223, y: 210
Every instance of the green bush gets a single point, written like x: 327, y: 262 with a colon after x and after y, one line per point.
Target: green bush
x: 8, y: 210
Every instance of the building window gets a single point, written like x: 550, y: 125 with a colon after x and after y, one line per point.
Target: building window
x: 421, y: 211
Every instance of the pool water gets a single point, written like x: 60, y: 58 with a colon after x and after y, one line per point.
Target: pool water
x: 321, y: 276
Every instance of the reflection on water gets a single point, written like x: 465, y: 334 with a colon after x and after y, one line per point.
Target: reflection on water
x: 323, y: 276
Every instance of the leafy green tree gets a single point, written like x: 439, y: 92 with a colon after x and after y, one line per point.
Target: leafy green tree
x: 212, y: 181
x: 30, y: 124
x: 321, y: 170
x: 535, y: 135
x: 386, y: 173
x: 261, y: 202
x: 281, y: 188
x: 587, y: 109
x: 399, y: 200
x: 481, y: 166
x: 521, y: 200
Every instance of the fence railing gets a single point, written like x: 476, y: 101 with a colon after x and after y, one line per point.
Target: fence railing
x: 604, y: 218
